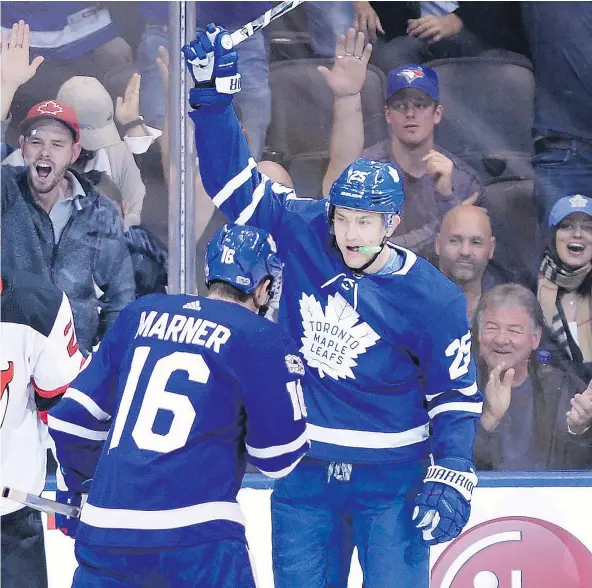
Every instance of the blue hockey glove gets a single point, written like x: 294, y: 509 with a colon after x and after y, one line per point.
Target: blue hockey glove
x: 443, y: 506
x: 212, y: 63
x: 68, y: 525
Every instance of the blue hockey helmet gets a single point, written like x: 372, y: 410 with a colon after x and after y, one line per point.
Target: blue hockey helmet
x: 242, y: 256
x: 369, y: 185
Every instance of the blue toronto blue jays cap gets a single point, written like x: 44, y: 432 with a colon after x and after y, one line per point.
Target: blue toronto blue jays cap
x: 413, y: 76
x: 567, y: 205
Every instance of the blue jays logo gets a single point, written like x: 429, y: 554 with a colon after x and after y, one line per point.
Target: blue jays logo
x: 412, y: 74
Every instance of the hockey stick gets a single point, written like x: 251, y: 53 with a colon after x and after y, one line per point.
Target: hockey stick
x: 252, y: 27
x: 43, y: 504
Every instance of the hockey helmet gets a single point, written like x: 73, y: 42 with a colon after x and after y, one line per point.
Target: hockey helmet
x: 242, y: 256
x: 369, y: 185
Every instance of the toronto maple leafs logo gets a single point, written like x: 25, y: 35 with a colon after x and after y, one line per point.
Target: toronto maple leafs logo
x: 578, y: 201
x: 412, y: 74
x: 333, y: 339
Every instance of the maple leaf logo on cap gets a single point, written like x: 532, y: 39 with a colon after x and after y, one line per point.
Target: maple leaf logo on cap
x: 578, y: 201
x: 50, y: 107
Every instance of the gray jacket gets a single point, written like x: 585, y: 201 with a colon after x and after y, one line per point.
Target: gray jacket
x: 91, y: 251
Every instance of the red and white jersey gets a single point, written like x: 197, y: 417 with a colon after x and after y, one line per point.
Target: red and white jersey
x: 39, y: 357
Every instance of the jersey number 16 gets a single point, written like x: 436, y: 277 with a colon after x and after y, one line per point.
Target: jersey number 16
x: 157, y: 397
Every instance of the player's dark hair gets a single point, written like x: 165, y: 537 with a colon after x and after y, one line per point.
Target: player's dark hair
x: 225, y: 290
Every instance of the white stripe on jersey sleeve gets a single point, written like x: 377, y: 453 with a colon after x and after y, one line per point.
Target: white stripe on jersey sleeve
x: 235, y: 183
x: 476, y: 407
x: 245, y: 216
x: 468, y: 391
x: 151, y: 520
x: 281, y: 189
x: 277, y: 450
x: 368, y: 439
x: 88, y: 403
x: 76, y: 430
x: 283, y: 472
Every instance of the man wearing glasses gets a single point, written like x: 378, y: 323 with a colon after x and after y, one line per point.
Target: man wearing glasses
x: 435, y: 181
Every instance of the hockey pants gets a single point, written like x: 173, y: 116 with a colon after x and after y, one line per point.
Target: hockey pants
x: 311, y: 502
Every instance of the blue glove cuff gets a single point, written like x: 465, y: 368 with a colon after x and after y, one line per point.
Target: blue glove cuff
x: 208, y: 96
x: 455, y: 463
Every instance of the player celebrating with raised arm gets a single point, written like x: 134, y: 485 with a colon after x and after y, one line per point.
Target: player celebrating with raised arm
x: 180, y: 390
x: 390, y: 378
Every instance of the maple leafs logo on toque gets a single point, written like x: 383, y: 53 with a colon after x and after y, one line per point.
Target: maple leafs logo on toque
x: 333, y: 339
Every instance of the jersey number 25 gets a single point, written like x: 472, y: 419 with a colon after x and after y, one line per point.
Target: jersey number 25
x: 461, y: 350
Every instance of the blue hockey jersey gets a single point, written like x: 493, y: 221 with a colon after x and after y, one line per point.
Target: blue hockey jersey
x: 390, y: 376
x: 181, y: 392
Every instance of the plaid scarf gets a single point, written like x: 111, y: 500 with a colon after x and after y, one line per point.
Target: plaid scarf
x: 553, y: 279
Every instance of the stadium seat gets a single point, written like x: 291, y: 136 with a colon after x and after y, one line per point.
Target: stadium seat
x: 514, y: 220
x: 302, y: 117
x: 488, y: 112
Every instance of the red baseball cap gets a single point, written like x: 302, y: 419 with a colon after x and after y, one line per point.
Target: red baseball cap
x: 56, y: 110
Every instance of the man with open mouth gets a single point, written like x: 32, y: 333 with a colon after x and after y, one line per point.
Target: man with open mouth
x: 54, y: 222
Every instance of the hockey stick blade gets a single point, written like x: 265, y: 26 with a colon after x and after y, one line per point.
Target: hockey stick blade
x: 252, y: 27
x: 38, y: 503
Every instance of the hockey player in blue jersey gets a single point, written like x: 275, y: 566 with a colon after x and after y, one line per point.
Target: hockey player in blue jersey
x: 390, y: 380
x: 181, y: 391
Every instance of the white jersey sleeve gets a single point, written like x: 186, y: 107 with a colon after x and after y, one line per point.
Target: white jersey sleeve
x: 59, y: 359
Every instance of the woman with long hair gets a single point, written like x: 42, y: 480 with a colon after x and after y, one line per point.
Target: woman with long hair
x: 564, y: 288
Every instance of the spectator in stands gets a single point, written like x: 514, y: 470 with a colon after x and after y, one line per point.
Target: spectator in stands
x: 102, y: 147
x: 464, y: 247
x: 524, y: 424
x: 53, y: 221
x: 564, y: 287
x: 326, y: 21
x: 94, y: 108
x: 76, y: 38
x: 560, y: 37
x: 416, y: 32
x: 435, y: 180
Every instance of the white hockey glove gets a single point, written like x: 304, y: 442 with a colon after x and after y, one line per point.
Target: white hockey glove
x: 443, y: 506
